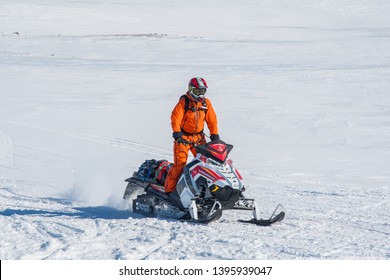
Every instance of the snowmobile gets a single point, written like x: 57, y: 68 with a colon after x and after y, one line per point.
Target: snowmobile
x: 209, y: 185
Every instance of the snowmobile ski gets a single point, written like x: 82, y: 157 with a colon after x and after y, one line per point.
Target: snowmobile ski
x: 266, y: 222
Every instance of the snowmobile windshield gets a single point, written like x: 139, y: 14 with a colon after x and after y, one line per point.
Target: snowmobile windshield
x: 216, y: 150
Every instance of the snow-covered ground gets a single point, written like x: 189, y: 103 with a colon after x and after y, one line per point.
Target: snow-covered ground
x: 301, y: 88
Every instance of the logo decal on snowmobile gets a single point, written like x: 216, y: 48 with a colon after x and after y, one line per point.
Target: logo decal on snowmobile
x: 220, y: 151
x: 219, y: 147
x: 205, y: 172
x: 216, y: 150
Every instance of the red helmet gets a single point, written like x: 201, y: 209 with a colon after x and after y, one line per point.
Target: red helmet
x: 197, y: 88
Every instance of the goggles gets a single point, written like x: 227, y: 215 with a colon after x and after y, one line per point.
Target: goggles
x: 198, y: 91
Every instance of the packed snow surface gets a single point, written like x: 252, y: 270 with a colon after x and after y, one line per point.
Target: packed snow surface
x: 301, y: 89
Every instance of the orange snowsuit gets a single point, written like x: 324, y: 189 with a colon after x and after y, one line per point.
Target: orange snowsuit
x: 190, y: 121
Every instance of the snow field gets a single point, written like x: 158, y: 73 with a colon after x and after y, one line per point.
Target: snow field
x: 300, y: 89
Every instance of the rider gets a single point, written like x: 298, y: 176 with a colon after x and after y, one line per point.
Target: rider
x: 187, y: 121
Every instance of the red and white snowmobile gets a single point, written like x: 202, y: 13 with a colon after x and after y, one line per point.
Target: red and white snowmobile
x: 209, y: 185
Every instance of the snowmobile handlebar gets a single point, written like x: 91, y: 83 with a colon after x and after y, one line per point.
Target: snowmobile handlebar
x: 186, y: 142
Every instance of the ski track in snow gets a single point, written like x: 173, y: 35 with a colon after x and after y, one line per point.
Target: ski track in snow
x: 115, y: 142
x: 309, y: 94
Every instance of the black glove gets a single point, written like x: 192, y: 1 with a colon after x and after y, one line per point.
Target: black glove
x: 214, y: 137
x: 178, y: 137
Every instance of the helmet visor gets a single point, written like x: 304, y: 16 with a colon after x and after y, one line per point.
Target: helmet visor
x: 199, y: 91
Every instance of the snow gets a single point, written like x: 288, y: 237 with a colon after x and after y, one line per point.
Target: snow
x: 301, y: 89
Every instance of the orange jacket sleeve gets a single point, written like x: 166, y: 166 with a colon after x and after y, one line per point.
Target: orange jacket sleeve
x: 177, y: 115
x: 211, y: 118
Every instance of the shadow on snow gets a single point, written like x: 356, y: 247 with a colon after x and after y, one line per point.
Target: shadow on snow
x: 97, y: 212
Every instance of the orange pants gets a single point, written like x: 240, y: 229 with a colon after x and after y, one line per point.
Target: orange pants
x: 180, y: 156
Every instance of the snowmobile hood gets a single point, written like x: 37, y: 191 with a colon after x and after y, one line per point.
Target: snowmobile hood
x: 216, y: 150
